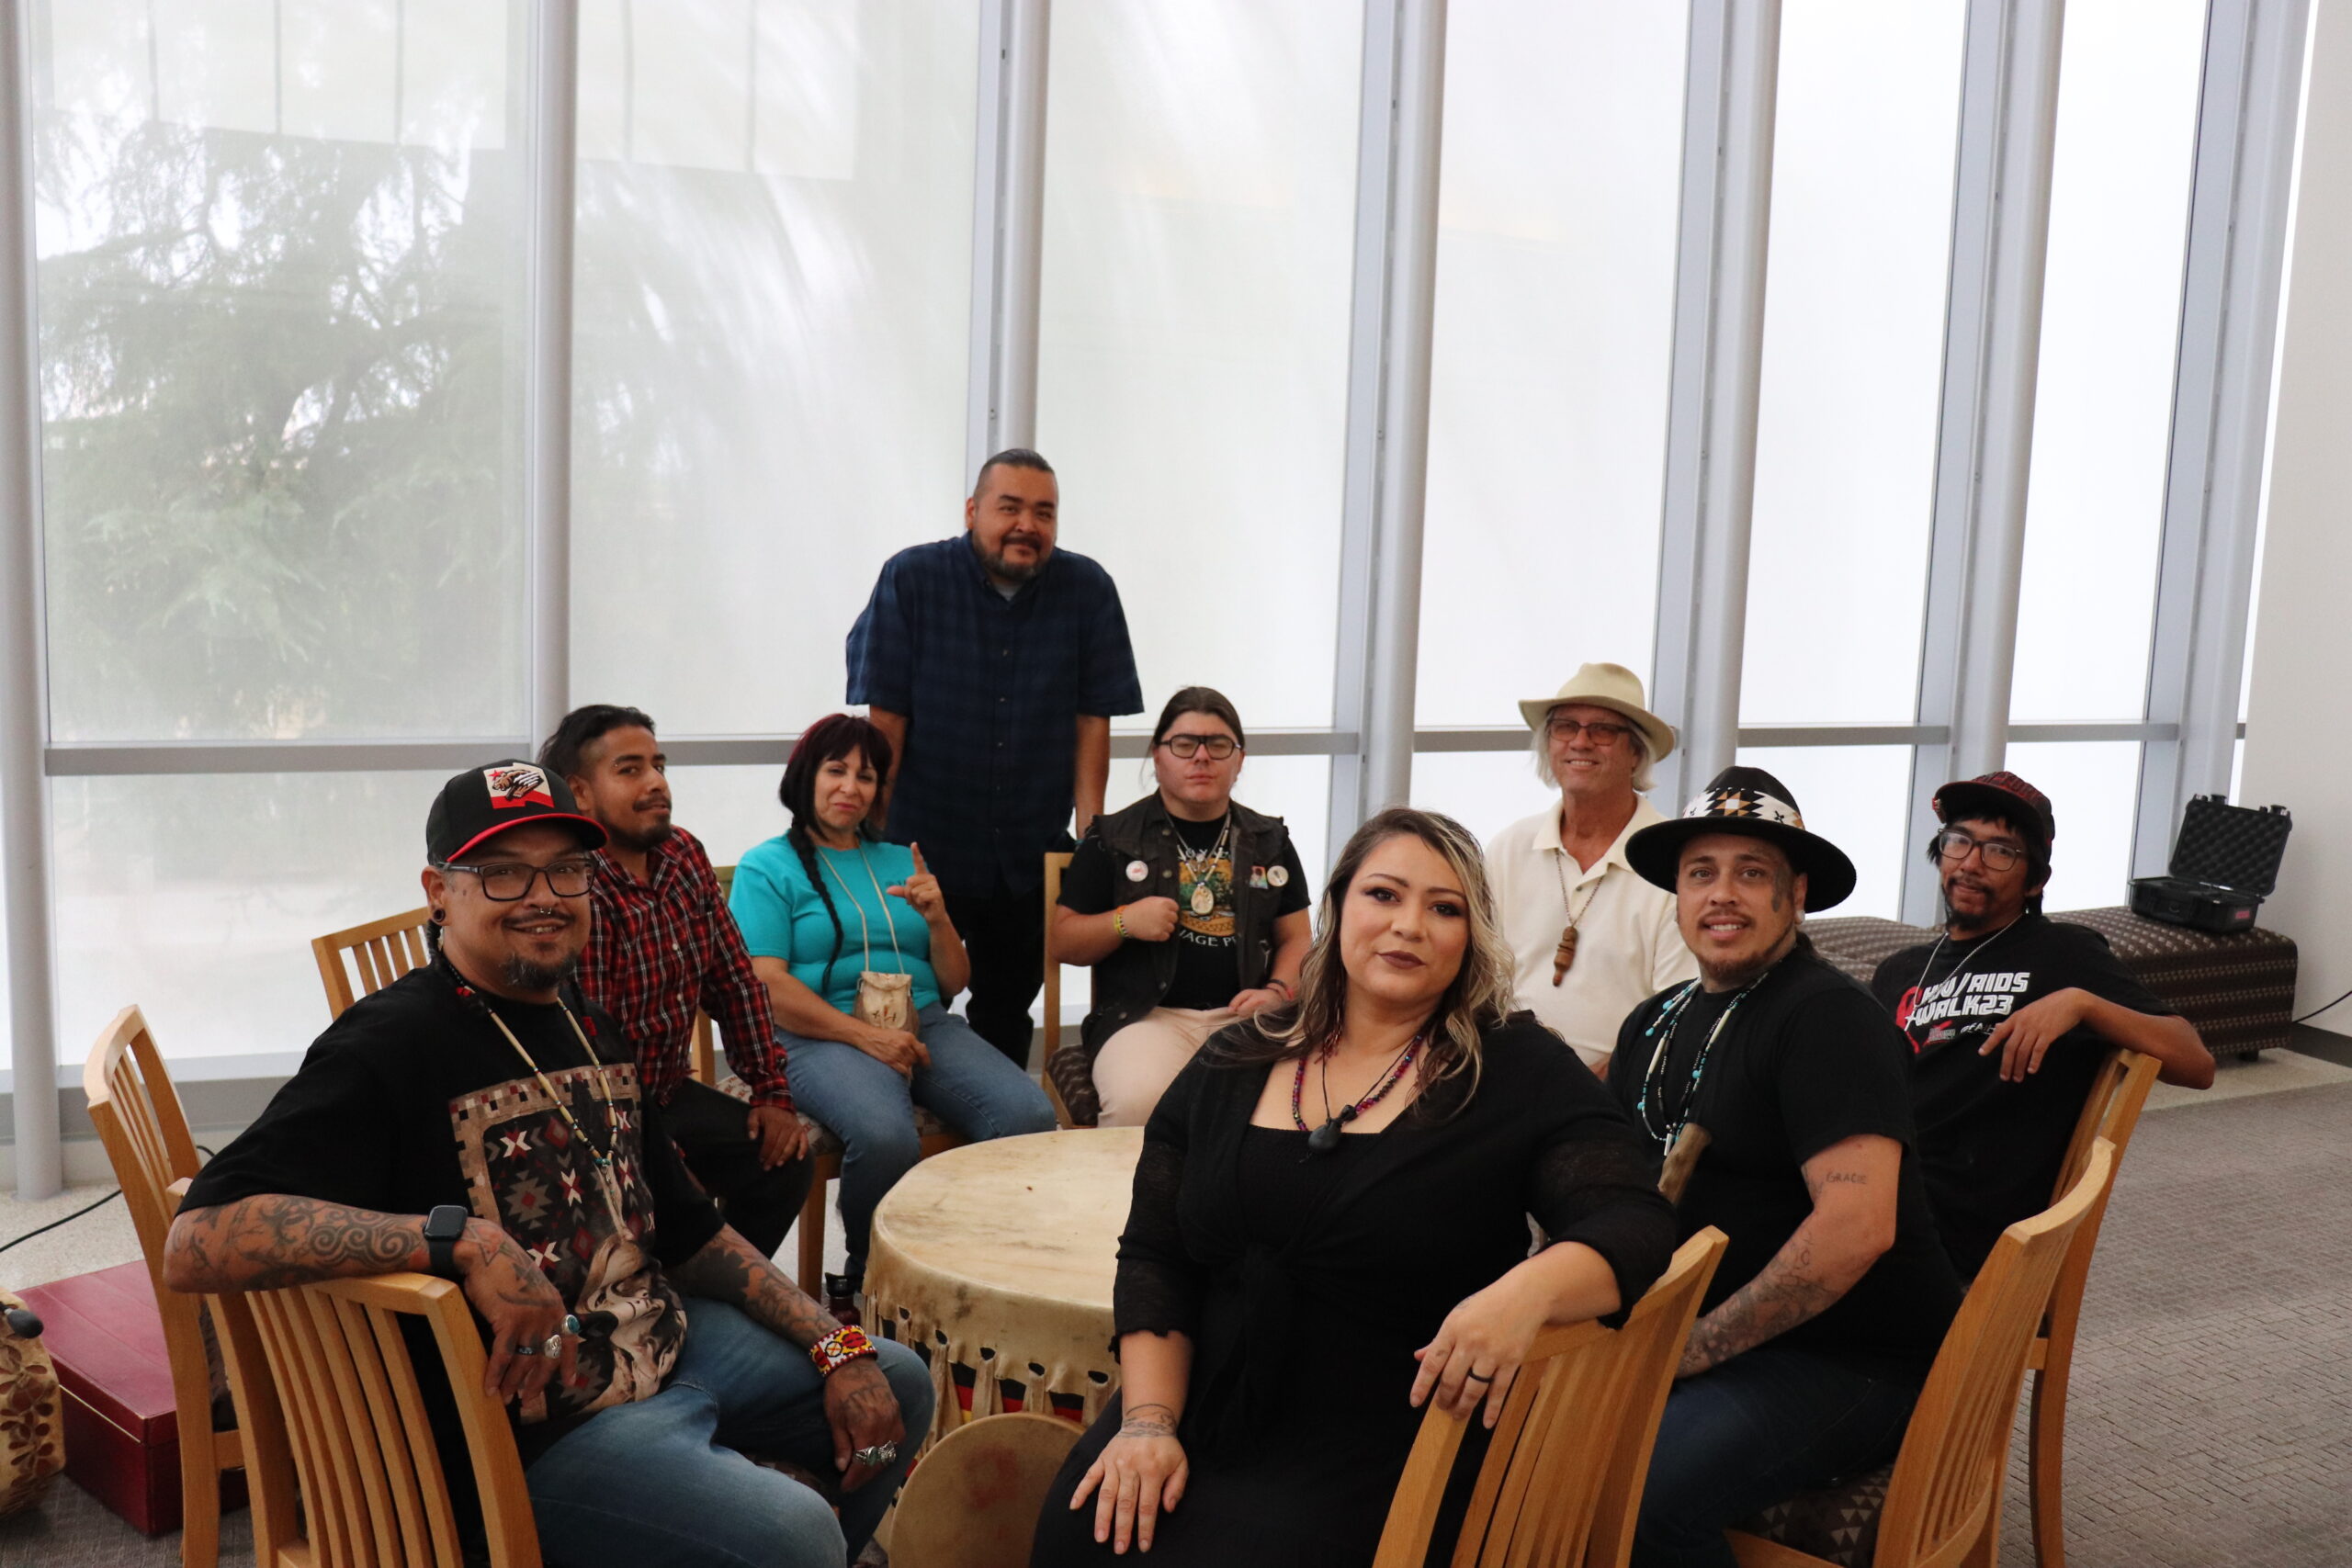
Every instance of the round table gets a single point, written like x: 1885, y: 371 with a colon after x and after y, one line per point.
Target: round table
x: 999, y: 1258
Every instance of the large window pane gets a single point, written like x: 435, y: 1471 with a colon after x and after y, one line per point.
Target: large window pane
x: 196, y: 897
x: 1484, y: 791
x: 279, y: 246
x: 1557, y: 219
x: 2111, y: 330
x: 774, y: 270
x: 1200, y: 205
x: 2093, y: 787
x: 1856, y: 797
x: 1853, y: 355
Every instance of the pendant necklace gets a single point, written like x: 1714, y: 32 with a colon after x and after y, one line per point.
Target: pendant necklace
x: 1563, y: 957
x: 608, y: 1183
x: 1204, y: 899
x: 1961, y: 967
x: 1325, y: 1139
x: 1670, y: 1019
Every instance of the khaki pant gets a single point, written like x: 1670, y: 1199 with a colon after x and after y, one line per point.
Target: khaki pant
x: 1137, y: 1065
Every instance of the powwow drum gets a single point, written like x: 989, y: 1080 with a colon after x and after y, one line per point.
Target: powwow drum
x: 996, y: 1261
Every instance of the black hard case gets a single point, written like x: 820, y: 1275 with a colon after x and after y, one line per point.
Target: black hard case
x: 2223, y: 864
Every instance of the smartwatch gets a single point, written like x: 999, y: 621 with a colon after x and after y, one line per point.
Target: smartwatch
x: 444, y: 1228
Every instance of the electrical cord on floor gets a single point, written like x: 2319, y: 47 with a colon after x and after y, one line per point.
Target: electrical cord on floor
x: 2319, y: 1010
x: 52, y: 1225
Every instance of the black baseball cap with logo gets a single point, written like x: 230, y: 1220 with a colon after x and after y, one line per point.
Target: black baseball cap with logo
x: 481, y: 803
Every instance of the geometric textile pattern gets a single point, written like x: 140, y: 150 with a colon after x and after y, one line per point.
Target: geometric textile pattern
x: 32, y: 1441
x: 1839, y: 1525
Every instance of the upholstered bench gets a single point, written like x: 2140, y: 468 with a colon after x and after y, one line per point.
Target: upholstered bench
x: 2238, y: 990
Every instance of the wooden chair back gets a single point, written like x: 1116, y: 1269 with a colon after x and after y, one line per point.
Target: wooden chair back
x: 1944, y: 1501
x: 2111, y: 1112
x: 345, y: 1473
x: 703, y: 1061
x: 1562, y: 1478
x: 1056, y: 861
x: 374, y: 956
x: 974, y: 1500
x: 140, y: 1122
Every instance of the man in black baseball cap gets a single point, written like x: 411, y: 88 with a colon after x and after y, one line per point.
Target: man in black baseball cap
x: 2008, y: 1015
x: 481, y: 1120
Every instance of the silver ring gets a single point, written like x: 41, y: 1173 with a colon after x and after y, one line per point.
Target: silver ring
x: 551, y: 1346
x: 526, y: 1349
x: 572, y: 1324
x: 877, y: 1456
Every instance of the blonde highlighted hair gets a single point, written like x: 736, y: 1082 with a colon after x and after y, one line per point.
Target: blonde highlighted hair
x: 1481, y: 994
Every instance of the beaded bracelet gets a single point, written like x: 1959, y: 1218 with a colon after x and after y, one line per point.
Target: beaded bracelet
x: 1119, y: 923
x: 839, y: 1348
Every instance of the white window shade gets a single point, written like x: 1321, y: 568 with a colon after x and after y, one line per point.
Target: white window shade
x: 1557, y: 221
x: 1192, y: 356
x: 279, y: 368
x: 774, y: 267
x: 1862, y: 162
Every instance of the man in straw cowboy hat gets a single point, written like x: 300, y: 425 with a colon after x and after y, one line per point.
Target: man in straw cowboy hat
x: 2008, y: 1015
x: 1589, y: 938
x: 1787, y: 1081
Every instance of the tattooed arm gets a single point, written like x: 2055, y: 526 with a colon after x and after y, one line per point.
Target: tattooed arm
x: 1143, y: 1469
x: 858, y: 1402
x: 1853, y: 1186
x: 273, y: 1240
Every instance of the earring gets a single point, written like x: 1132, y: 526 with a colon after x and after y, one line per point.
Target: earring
x: 440, y: 916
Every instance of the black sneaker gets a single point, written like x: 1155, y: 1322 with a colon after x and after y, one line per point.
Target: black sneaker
x: 841, y: 1299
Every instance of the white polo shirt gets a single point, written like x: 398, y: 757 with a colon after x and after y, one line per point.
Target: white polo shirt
x: 1628, y: 947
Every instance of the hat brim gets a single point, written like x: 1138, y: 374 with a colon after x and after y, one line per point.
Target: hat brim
x: 1963, y: 798
x: 1656, y: 855
x: 1657, y: 734
x: 591, y: 831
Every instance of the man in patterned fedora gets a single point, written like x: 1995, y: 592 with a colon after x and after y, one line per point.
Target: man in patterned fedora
x: 2008, y: 1015
x: 1779, y: 1088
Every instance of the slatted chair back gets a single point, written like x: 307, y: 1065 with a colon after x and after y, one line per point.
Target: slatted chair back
x: 338, y: 1419
x: 1562, y: 1478
x: 140, y: 1122
x: 2110, y: 1112
x: 365, y: 959
x: 1944, y: 1501
x: 1057, y: 861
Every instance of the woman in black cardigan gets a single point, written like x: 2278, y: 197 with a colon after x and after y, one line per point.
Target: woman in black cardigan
x: 1328, y: 1230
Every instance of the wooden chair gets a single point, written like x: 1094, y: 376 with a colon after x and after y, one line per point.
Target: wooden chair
x: 2110, y: 1112
x: 144, y: 1130
x: 343, y: 1468
x: 1562, y: 1478
x: 974, y: 1500
x: 1056, y: 861
x: 1942, y: 1503
x: 379, y: 952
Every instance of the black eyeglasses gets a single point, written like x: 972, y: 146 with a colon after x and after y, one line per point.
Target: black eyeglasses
x: 511, y: 880
x: 1218, y: 746
x: 1952, y: 847
x: 1602, y: 733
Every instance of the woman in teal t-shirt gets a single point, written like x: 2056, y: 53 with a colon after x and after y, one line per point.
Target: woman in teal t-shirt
x: 824, y: 902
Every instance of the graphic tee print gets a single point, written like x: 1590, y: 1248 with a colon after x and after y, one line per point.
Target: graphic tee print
x: 528, y: 1172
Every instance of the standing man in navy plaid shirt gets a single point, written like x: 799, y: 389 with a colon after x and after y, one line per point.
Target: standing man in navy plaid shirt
x: 663, y: 945
x: 995, y: 664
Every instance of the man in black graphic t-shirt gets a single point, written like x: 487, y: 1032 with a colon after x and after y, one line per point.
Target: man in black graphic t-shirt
x: 479, y: 1120
x: 2008, y: 1015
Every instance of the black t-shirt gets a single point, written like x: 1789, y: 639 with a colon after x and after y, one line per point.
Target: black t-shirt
x: 1991, y: 1150
x: 413, y: 1099
x: 1208, y: 964
x: 1804, y: 1061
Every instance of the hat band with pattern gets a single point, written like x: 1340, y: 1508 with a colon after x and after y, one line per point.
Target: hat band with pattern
x: 1754, y: 805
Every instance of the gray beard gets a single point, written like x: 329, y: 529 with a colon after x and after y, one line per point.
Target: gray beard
x: 522, y: 975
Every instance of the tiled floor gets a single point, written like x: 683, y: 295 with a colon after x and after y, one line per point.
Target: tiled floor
x: 2211, y: 1418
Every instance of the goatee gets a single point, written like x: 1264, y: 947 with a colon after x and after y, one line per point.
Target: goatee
x: 523, y: 974
x: 1006, y: 571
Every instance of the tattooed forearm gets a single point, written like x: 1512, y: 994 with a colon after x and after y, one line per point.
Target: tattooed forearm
x: 1149, y: 1421
x: 1785, y: 1294
x: 268, y: 1241
x: 730, y: 1270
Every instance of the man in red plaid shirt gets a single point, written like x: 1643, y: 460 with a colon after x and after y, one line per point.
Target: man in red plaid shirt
x: 665, y: 945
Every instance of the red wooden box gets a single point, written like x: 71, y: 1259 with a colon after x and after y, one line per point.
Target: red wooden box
x: 122, y: 1442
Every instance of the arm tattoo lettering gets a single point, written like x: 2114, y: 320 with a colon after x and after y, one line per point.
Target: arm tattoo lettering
x: 730, y: 1270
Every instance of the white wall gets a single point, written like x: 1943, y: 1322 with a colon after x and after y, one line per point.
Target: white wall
x: 2299, y: 744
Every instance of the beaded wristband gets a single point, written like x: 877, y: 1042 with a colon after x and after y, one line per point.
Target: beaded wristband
x: 1119, y: 923
x: 839, y: 1348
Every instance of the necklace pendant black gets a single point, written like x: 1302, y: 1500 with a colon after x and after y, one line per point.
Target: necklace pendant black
x: 1325, y: 1139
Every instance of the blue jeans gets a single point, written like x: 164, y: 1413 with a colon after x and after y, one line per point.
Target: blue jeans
x: 663, y: 1482
x: 1758, y: 1430
x: 971, y: 1085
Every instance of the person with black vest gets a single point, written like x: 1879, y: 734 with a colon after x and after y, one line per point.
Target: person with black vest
x: 1191, y: 907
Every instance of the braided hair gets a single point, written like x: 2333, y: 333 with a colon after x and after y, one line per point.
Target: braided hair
x: 830, y: 739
